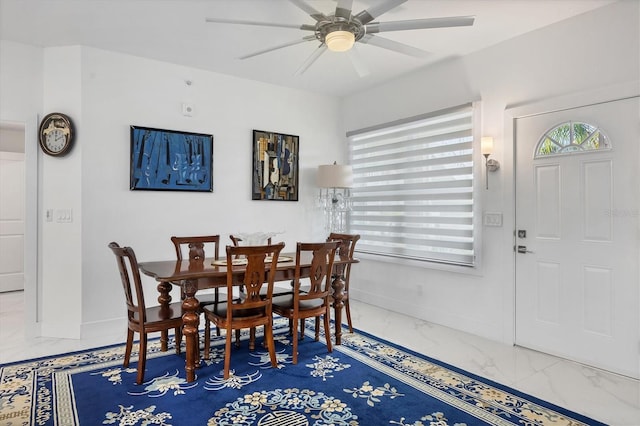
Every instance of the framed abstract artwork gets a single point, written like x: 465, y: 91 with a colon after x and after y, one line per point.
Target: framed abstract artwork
x: 275, y: 166
x: 170, y: 160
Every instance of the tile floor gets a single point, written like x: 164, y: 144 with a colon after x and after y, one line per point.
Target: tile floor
x: 610, y: 398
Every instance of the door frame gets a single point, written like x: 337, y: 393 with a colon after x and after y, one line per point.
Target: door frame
x: 512, y: 113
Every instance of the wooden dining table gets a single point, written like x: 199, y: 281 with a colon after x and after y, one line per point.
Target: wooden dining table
x: 196, y: 275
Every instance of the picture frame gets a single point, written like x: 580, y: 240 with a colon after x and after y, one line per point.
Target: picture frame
x: 170, y: 160
x: 275, y: 166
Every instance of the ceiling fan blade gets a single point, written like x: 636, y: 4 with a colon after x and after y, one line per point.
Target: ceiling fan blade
x: 385, y: 43
x: 367, y: 16
x: 271, y: 49
x: 357, y: 62
x: 311, y: 59
x: 420, y: 24
x: 260, y: 24
x: 343, y: 9
x: 315, y: 14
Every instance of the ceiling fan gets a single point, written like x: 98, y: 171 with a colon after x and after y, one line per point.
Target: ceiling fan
x: 340, y: 30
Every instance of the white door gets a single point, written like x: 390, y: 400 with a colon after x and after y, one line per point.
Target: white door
x: 11, y: 221
x: 577, y: 265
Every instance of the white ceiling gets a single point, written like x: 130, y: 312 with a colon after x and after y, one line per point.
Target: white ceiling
x: 176, y: 32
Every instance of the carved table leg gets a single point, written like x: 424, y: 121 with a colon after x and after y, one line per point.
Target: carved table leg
x: 191, y: 321
x: 164, y: 298
x: 338, y: 286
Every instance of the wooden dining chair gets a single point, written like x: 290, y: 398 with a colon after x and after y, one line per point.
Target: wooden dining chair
x: 140, y: 318
x: 346, y: 250
x: 196, y: 249
x: 277, y: 290
x: 314, y: 302
x: 251, y: 310
x: 237, y: 240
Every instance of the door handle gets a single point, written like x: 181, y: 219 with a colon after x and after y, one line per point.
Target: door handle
x: 523, y: 249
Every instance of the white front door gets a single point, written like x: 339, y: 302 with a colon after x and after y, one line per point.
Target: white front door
x: 577, y: 231
x: 11, y: 221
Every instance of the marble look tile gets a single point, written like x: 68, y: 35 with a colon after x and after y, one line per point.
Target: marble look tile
x: 604, y: 396
x: 610, y: 398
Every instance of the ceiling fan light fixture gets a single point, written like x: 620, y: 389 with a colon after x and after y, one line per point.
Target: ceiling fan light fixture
x: 340, y: 41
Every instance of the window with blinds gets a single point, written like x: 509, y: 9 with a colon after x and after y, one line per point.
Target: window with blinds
x: 413, y: 187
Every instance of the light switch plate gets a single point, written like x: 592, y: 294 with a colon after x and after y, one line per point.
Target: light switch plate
x: 64, y: 215
x: 492, y: 219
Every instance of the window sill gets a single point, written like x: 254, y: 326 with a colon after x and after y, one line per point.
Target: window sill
x: 460, y: 269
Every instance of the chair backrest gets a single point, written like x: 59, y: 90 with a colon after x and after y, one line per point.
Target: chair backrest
x: 346, y: 250
x: 131, y: 282
x: 236, y: 240
x: 196, y: 248
x: 260, y: 270
x: 321, y: 267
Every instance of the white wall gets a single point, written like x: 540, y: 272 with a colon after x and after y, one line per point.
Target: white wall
x: 105, y: 93
x: 594, y: 50
x: 60, y: 188
x: 21, y: 91
x: 21, y: 69
x: 119, y: 91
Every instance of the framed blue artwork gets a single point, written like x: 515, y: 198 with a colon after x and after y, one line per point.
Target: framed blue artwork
x: 170, y: 160
x: 275, y: 166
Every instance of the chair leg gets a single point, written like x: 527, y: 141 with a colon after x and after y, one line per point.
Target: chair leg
x: 252, y: 338
x: 128, y: 347
x: 348, y: 312
x: 178, y: 336
x: 327, y: 331
x: 164, y: 340
x: 295, y: 341
x: 237, y: 337
x: 268, y: 333
x: 227, y: 353
x: 317, y: 321
x: 142, y: 358
x: 302, y: 325
x: 207, y: 337
x: 217, y: 299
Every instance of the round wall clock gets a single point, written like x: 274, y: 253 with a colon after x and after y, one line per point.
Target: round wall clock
x: 56, y: 134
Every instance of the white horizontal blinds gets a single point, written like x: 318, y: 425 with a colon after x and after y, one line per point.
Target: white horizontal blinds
x: 413, y: 187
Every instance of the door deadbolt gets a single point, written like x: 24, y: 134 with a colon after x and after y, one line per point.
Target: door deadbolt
x: 522, y: 233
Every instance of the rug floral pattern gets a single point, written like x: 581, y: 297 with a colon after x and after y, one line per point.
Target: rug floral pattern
x: 365, y: 381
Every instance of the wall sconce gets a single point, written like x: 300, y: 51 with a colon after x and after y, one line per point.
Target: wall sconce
x: 334, y: 181
x: 486, y: 147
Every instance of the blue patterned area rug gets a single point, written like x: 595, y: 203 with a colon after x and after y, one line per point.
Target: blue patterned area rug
x: 365, y: 381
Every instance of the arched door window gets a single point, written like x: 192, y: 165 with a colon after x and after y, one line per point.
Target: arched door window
x: 571, y: 137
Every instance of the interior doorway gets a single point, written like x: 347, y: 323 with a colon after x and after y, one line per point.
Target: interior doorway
x: 12, y: 206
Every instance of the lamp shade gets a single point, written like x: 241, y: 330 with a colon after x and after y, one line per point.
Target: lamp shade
x: 335, y: 176
x: 486, y: 145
